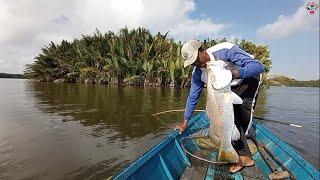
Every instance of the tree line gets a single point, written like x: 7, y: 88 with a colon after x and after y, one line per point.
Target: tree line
x: 15, y: 76
x: 133, y: 57
x: 287, y: 81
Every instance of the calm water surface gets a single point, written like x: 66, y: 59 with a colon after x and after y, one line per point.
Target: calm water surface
x: 72, y: 131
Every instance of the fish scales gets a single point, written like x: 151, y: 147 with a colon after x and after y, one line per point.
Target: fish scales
x: 219, y: 109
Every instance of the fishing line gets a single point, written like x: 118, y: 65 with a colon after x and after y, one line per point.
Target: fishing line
x: 259, y: 118
x: 156, y: 115
x: 175, y: 110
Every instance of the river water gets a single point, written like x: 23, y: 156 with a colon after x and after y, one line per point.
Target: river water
x: 73, y: 131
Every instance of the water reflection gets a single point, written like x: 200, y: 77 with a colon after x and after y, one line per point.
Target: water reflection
x: 123, y: 115
x: 62, y: 131
x: 127, y: 110
x: 260, y: 107
x: 117, y: 121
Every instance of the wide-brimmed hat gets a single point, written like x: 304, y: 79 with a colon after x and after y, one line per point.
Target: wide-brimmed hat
x: 189, y: 51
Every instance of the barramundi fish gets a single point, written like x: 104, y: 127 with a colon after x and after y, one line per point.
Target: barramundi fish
x: 219, y: 108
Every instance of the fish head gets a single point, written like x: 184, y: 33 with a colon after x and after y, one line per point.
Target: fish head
x: 218, y: 76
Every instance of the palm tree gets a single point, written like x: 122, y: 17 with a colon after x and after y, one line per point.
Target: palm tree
x: 135, y: 57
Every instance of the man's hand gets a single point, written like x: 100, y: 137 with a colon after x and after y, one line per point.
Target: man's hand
x: 182, y: 126
x: 235, y: 73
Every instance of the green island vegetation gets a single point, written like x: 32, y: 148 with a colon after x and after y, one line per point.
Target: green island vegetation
x: 287, y: 81
x: 132, y: 57
x: 15, y: 76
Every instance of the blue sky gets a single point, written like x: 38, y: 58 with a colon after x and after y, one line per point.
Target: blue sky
x: 296, y: 55
x: 284, y: 25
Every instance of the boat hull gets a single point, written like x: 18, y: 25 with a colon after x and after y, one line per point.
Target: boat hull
x: 167, y: 160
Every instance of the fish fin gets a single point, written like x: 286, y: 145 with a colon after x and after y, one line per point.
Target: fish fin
x: 236, y: 99
x: 228, y: 155
x: 235, y: 133
x: 215, y: 140
x: 235, y: 82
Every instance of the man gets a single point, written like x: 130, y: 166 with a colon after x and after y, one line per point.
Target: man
x: 245, y: 68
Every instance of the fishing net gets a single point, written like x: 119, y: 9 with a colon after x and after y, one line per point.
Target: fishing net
x: 203, y: 154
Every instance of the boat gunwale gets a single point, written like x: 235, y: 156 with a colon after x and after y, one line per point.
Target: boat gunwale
x: 286, y: 148
x: 142, y: 159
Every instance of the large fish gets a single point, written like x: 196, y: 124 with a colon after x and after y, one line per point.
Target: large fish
x: 219, y: 108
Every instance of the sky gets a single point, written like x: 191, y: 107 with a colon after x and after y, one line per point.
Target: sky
x: 285, y: 26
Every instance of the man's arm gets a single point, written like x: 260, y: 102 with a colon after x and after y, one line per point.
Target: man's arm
x: 247, y: 66
x: 194, y: 94
x: 193, y: 98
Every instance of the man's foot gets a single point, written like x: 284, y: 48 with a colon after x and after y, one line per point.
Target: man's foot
x: 247, y: 161
x: 233, y: 168
x: 244, y: 161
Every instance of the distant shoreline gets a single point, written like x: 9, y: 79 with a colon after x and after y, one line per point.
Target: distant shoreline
x: 11, y: 76
x: 279, y: 81
x: 290, y: 82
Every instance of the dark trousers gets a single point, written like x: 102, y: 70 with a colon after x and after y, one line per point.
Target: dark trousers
x: 248, y: 91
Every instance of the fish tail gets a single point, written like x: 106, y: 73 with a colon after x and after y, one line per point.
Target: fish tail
x: 228, y: 155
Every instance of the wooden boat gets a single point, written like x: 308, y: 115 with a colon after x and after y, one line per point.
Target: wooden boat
x: 274, y: 158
